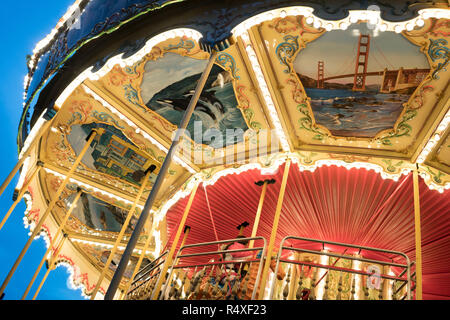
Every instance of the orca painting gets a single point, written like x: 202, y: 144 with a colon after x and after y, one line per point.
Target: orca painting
x: 169, y: 85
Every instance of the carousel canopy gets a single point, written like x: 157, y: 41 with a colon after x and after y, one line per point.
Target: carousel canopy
x: 355, y: 95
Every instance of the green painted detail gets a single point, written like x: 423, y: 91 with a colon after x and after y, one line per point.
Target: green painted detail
x: 392, y: 167
x: 249, y: 114
x: 402, y: 129
x: 436, y: 176
x: 306, y: 123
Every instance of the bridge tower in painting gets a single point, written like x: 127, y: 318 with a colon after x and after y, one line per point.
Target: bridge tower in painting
x: 320, y: 74
x: 362, y: 59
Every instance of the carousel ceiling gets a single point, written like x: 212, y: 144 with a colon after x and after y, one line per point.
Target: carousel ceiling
x: 357, y: 92
x: 343, y: 205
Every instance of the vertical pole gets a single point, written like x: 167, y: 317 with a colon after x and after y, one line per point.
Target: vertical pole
x: 258, y: 213
x: 36, y: 170
x: 320, y: 74
x: 60, y: 229
x: 138, y: 265
x: 52, y: 203
x: 121, y: 233
x: 242, y: 227
x: 174, y: 244
x: 274, y: 230
x: 294, y: 281
x: 50, y: 266
x: 187, y: 229
x: 24, y: 156
x: 159, y: 180
x: 418, y: 235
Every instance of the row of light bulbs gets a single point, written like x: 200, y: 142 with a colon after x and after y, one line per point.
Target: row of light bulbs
x: 42, y: 44
x: 435, y: 138
x: 106, y: 246
x: 266, y: 93
x: 372, y: 16
x: 241, y: 29
x: 92, y: 188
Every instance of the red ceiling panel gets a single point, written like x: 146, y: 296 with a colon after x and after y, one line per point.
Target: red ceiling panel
x: 353, y: 206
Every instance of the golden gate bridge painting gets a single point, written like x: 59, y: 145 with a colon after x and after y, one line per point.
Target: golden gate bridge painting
x: 358, y: 82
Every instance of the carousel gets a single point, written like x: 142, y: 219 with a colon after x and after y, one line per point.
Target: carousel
x: 238, y: 150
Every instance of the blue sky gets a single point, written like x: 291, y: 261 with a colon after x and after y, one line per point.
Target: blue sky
x: 23, y: 24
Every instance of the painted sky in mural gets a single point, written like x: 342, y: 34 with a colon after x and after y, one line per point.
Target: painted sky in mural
x: 349, y: 109
x: 169, y: 96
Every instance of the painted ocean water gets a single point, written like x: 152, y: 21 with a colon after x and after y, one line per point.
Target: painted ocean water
x: 355, y: 113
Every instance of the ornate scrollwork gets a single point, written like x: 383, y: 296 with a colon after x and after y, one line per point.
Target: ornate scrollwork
x: 187, y: 45
x: 227, y: 62
x: 391, y: 167
x: 245, y: 107
x: 106, y: 118
x: 402, y: 129
x: 435, y: 175
x: 436, y: 51
x: 307, y: 122
x: 286, y: 50
x: 133, y: 97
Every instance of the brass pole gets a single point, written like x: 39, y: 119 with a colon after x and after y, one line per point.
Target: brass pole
x: 50, y: 266
x: 121, y: 233
x: 25, y: 155
x: 294, y: 281
x: 418, y: 235
x: 36, y: 170
x: 274, y: 230
x: 60, y: 229
x: 258, y: 213
x: 241, y: 229
x: 174, y: 244
x: 52, y: 203
x: 159, y: 180
x: 138, y: 265
x: 187, y: 229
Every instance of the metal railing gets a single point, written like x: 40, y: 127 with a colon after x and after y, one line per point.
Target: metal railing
x: 290, y: 285
x: 142, y: 285
x: 216, y: 273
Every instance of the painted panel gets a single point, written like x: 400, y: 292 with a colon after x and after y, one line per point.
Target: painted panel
x: 169, y: 96
x: 358, y: 79
x: 112, y: 153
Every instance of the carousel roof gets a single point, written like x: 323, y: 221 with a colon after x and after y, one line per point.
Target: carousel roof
x: 356, y: 98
